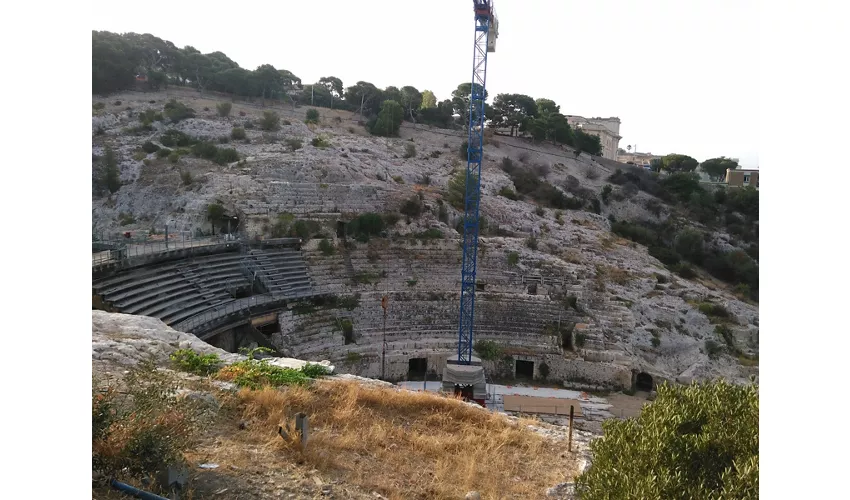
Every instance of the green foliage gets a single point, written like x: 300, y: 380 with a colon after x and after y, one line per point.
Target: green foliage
x: 531, y: 242
x: 606, y: 193
x: 174, y: 138
x: 544, y: 370
x: 581, y: 339
x: 681, y: 185
x: 684, y: 270
x: 192, y: 362
x: 488, y: 350
x: 238, y: 134
x: 463, y: 152
x: 712, y: 348
x: 508, y: 193
x: 716, y: 167
x: 223, y: 108
x: 256, y: 374
x: 412, y: 207
x: 162, y: 152
x: 174, y: 157
x: 655, y: 341
x: 366, y: 225
x: 457, y: 189
x: 293, y: 144
x: 270, y: 121
x: 429, y: 234
x: 353, y: 357
x: 148, y: 116
x: 689, y: 244
x: 186, y: 178
x: 678, y: 163
x: 176, y: 111
x: 215, y: 212
x: 389, y: 120
x: 588, y: 143
x: 314, y: 370
x: 634, y: 232
x: 409, y: 150
x: 513, y: 258
x: 134, y: 434
x: 349, y: 302
x: 667, y: 256
x: 312, y: 116
x: 684, y: 445
x: 109, y: 174
x: 320, y: 141
x: 540, y: 211
x: 326, y: 247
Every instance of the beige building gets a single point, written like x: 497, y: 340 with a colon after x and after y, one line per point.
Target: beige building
x: 638, y: 159
x: 607, y: 129
x: 742, y: 178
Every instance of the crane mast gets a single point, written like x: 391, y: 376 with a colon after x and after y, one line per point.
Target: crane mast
x: 486, y: 31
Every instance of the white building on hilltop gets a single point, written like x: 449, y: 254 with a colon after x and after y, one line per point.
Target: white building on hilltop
x: 607, y: 129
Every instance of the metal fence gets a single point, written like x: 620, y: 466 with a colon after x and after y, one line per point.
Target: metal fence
x: 124, y: 251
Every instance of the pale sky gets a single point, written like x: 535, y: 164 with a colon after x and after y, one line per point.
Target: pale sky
x: 682, y: 75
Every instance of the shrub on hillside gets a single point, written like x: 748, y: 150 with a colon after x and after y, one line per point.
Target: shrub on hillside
x: 186, y: 178
x: 412, y: 207
x: 149, y: 147
x: 683, y: 445
x: 508, y: 193
x: 176, y: 111
x: 270, y: 121
x: 226, y: 155
x: 174, y: 138
x: 665, y: 255
x: 326, y: 247
x: 689, y: 244
x: 190, y: 361
x: 366, y: 225
x: 223, y: 108
x: 312, y: 116
x: 409, y: 150
x: 163, y: 153
x: 237, y: 134
x: 320, y: 142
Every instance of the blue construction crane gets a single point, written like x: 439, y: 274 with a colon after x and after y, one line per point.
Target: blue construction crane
x: 486, y: 31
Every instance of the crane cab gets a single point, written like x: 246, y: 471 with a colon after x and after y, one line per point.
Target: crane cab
x: 484, y: 10
x: 493, y: 33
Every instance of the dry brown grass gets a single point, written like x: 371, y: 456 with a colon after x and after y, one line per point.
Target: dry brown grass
x: 400, y: 443
x: 614, y: 274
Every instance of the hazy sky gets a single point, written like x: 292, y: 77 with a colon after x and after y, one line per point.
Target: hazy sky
x: 682, y: 75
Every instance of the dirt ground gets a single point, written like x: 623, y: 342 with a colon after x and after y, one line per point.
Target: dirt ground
x: 625, y: 406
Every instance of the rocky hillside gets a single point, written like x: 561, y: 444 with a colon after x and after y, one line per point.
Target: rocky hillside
x: 633, y: 313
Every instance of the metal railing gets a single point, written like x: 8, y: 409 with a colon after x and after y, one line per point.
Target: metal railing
x: 126, y: 250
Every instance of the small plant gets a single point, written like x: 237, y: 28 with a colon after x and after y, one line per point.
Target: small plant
x: 139, y: 155
x: 117, y: 103
x: 544, y: 370
x: 174, y: 157
x: 513, y: 258
x: 412, y: 282
x: 149, y: 147
x: 353, y: 357
x: 463, y: 152
x: 176, y: 111
x: 606, y: 193
x: 238, y: 133
x: 270, y: 121
x: 540, y: 211
x: 293, y: 144
x: 163, y: 153
x: 581, y: 339
x: 312, y: 116
x: 524, y: 156
x: 409, y: 150
x: 531, y: 242
x: 347, y: 331
x: 712, y: 348
x: 226, y: 155
x: 223, y: 108
x: 398, y: 179
x: 655, y: 341
x: 186, y: 178
x: 326, y: 247
x: 488, y: 350
x: 571, y: 301
x: 508, y: 193
x: 192, y: 362
x: 589, y: 172
x: 98, y: 106
x: 320, y: 142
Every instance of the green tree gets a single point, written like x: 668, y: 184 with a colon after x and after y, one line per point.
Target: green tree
x: 679, y: 163
x: 429, y: 100
x: 547, y: 106
x: 411, y: 101
x: 460, y: 99
x: 389, y: 119
x: 268, y: 80
x: 716, y: 167
x: 696, y: 441
x: 110, y: 176
x: 365, y: 95
x: 689, y: 244
x: 312, y: 116
x: 510, y: 110
x: 588, y: 143
x: 333, y: 84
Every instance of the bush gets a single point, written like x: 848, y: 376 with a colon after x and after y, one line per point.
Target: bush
x: 689, y: 244
x: 488, y: 350
x: 513, y: 258
x: 409, y: 150
x: 508, y: 193
x: 293, y: 144
x: 256, y: 374
x: 685, y: 271
x: 463, y: 152
x: 540, y: 211
x: 176, y: 111
x: 174, y: 157
x: 655, y: 341
x: 637, y: 233
x: 320, y: 142
x: 398, y: 179
x: 238, y: 134
x: 683, y: 445
x: 223, y: 108
x: 606, y: 193
x: 665, y: 255
x: 412, y: 207
x: 312, y: 116
x: 326, y: 247
x: 192, y: 362
x: 270, y: 121
x: 134, y: 436
x: 591, y: 174
x: 457, y: 189
x: 149, y: 147
x: 531, y: 243
x: 186, y: 178
x: 712, y: 348
x: 581, y: 339
x: 366, y: 225
x: 174, y: 138
x: 544, y: 370
x: 226, y: 155
x: 163, y: 153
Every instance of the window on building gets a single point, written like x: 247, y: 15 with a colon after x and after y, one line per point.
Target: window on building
x: 746, y: 179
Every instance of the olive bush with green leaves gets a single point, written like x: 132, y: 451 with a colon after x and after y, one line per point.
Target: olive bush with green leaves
x: 694, y: 441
